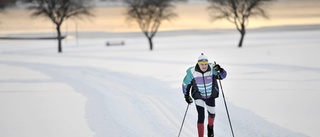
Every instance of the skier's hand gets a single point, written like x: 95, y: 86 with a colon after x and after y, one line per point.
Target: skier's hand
x: 217, y: 67
x: 188, y: 99
x: 215, y: 94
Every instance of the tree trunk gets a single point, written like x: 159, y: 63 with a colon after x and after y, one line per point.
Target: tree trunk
x: 59, y: 38
x: 150, y: 43
x: 241, y: 40
x: 242, y: 32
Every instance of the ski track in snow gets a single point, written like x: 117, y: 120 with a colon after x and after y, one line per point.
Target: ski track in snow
x: 121, y: 104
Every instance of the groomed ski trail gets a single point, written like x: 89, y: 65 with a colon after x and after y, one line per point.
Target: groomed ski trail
x: 121, y: 104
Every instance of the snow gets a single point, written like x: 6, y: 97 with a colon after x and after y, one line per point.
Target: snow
x: 96, y: 90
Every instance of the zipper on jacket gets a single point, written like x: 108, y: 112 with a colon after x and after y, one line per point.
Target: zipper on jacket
x: 204, y: 84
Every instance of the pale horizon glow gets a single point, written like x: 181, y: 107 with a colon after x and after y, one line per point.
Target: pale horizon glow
x: 190, y: 17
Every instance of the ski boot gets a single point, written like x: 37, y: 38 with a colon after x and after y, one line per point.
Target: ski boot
x: 210, y: 131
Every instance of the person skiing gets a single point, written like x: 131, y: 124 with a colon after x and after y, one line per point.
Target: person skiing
x: 201, y: 80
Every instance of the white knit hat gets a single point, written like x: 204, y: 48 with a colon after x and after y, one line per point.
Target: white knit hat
x: 202, y: 58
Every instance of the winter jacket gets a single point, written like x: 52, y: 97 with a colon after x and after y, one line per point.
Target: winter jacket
x: 202, y: 85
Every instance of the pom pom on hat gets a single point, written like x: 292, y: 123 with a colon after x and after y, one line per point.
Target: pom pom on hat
x: 203, y: 58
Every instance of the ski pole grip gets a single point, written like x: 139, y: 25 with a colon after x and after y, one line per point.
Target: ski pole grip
x: 217, y: 71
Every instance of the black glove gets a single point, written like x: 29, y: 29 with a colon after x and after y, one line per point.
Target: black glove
x: 217, y: 67
x: 188, y: 99
x: 215, y: 94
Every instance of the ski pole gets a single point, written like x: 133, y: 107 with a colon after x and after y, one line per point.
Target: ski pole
x: 225, y: 103
x: 183, y: 120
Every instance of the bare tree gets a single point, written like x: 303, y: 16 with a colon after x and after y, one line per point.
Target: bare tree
x: 237, y: 12
x: 60, y: 10
x: 149, y: 14
x: 6, y: 3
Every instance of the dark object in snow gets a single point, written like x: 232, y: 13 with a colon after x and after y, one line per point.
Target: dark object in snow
x: 115, y: 43
x: 30, y: 38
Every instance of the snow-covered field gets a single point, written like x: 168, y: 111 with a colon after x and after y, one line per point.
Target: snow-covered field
x: 94, y: 90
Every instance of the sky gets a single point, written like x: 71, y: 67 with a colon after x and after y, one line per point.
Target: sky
x: 112, y: 19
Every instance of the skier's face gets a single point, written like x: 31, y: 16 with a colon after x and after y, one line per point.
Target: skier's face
x: 203, y: 67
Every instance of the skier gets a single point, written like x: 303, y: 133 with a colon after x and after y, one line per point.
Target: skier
x: 201, y: 80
